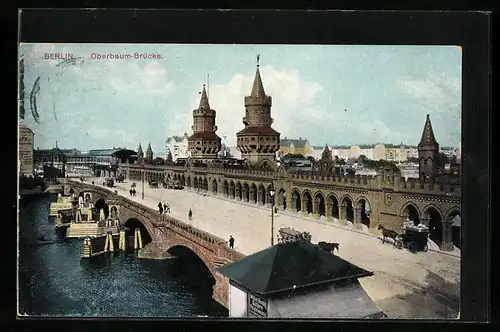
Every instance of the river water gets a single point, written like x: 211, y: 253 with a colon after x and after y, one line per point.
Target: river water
x: 54, y: 281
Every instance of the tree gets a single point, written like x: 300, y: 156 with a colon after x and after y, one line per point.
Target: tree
x: 341, y: 161
x: 311, y: 159
x: 362, y: 159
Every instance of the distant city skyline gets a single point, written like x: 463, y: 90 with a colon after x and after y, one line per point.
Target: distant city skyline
x: 340, y: 96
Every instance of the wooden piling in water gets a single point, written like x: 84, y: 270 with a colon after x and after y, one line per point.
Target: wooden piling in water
x: 137, y: 239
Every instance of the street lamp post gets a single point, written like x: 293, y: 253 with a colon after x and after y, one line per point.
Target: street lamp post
x: 272, y: 192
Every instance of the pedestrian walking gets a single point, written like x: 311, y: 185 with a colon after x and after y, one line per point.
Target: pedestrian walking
x: 130, y: 192
x: 160, y: 207
x: 92, y: 182
x: 190, y: 214
x: 231, y: 242
x: 133, y: 192
x: 166, y: 207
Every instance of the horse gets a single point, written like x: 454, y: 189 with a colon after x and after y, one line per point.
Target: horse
x: 330, y: 247
x: 387, y: 233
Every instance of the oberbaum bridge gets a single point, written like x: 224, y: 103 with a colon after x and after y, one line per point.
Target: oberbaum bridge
x: 386, y: 199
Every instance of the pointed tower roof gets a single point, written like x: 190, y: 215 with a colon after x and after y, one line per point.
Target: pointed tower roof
x: 428, y: 134
x: 149, y: 148
x: 139, y: 149
x: 204, y: 100
x: 327, y: 154
x: 258, y: 87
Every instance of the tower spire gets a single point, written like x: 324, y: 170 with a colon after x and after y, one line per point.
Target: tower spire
x: 204, y: 100
x: 428, y: 138
x: 208, y: 86
x: 258, y: 87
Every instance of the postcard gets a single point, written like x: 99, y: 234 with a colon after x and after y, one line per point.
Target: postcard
x: 239, y: 181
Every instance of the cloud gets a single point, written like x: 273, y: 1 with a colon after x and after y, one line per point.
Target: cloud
x: 294, y: 103
x: 433, y: 90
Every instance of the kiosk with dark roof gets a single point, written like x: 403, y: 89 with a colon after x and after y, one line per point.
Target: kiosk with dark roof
x: 297, y: 280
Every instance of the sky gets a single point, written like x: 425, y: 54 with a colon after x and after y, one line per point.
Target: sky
x: 329, y: 94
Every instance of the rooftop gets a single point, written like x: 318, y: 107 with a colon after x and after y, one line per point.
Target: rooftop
x: 285, y: 265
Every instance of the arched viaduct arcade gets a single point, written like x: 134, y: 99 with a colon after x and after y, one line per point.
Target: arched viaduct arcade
x: 386, y: 199
x: 166, y: 233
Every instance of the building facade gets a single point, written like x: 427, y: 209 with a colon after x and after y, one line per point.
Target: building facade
x: 177, y: 146
x: 26, y: 146
x: 296, y: 146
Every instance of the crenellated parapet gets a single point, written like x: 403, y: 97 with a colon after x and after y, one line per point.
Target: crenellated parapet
x: 367, y: 182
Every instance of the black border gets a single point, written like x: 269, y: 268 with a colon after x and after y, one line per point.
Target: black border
x: 471, y: 30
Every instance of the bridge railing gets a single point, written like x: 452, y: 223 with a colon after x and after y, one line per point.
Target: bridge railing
x: 210, y: 241
x: 207, y: 240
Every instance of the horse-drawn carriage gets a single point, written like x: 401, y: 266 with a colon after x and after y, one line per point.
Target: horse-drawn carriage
x: 413, y: 237
x: 109, y: 182
x: 291, y: 235
x: 120, y: 178
x: 153, y: 183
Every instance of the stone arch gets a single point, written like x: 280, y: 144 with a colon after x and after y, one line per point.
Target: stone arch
x: 205, y: 184
x: 195, y: 183
x: 232, y: 189
x: 226, y: 188
x: 253, y: 193
x: 132, y: 222
x: 238, y: 190
x: 281, y: 198
x: 347, y: 204
x: 262, y: 194
x: 183, y: 180
x: 411, y: 212
x: 307, y: 199
x: 189, y: 181
x: 201, y: 255
x: 102, y: 204
x: 265, y: 164
x: 246, y: 190
x: 319, y: 200
x: 434, y: 218
x: 452, y: 213
x: 296, y: 200
x: 282, y: 172
x: 113, y: 212
x: 334, y: 200
x: 214, y: 186
x: 454, y: 216
x: 364, y: 209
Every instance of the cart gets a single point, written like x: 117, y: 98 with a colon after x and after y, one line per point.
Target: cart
x: 291, y: 235
x: 109, y: 182
x: 413, y: 238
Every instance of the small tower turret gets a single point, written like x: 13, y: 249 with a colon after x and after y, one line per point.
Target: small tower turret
x: 428, y: 153
x: 204, y: 143
x: 140, y: 154
x: 149, y: 154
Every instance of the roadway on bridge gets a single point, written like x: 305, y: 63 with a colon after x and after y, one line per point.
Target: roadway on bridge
x: 405, y: 285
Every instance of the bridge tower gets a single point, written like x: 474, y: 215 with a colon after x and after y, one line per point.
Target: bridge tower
x: 140, y: 154
x: 258, y: 142
x: 428, y: 153
x: 204, y: 143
